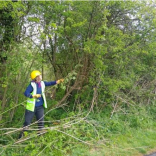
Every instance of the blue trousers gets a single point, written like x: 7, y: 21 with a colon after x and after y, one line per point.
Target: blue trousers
x: 39, y: 113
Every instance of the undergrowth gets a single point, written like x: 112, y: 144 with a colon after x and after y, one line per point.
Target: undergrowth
x: 124, y: 133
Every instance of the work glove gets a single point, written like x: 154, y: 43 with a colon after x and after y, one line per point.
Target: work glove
x: 60, y: 81
x: 36, y: 95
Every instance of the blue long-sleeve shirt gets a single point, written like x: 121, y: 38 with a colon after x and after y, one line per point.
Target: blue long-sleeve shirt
x: 29, y: 90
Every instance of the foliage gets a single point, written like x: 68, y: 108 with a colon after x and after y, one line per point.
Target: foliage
x: 105, y: 50
x: 79, y: 134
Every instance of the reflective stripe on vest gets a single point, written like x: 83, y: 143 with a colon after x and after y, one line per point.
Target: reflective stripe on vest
x: 31, y: 101
x: 43, y: 94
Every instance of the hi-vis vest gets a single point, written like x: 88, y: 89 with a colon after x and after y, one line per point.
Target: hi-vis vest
x: 31, y: 101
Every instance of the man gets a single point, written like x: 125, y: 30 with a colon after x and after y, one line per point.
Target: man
x: 35, y: 92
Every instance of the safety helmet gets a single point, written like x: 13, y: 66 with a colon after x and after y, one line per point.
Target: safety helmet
x: 34, y: 74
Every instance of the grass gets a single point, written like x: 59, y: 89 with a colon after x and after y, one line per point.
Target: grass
x: 134, y: 143
x: 133, y: 134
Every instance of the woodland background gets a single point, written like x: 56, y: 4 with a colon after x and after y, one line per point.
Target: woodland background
x: 106, y: 52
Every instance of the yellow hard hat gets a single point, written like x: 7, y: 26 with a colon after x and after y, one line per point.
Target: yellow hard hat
x: 34, y: 74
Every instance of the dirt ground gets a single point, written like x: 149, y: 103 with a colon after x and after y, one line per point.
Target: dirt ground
x: 152, y: 154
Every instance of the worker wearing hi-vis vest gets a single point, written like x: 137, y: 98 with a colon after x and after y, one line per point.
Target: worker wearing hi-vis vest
x: 36, y: 102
